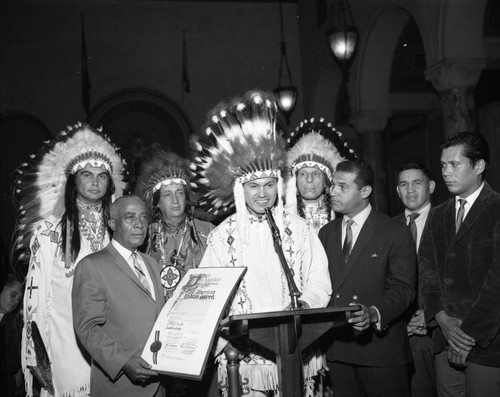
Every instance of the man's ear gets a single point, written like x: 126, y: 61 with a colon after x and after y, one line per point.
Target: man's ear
x: 366, y: 191
x: 432, y: 186
x: 112, y: 224
x: 480, y: 166
x: 397, y: 190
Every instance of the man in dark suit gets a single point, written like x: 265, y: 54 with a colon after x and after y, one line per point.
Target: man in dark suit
x: 460, y: 273
x: 415, y: 187
x: 117, y: 296
x: 372, y: 263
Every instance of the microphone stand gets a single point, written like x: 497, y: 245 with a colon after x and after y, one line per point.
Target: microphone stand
x: 275, y: 232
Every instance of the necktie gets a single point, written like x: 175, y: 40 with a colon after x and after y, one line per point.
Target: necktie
x: 139, y: 271
x: 412, y: 225
x: 460, y: 214
x: 346, y: 249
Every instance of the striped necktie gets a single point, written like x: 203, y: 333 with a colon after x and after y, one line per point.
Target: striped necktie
x: 139, y: 271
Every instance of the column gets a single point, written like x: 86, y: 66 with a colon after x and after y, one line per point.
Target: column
x: 455, y: 80
x: 371, y: 125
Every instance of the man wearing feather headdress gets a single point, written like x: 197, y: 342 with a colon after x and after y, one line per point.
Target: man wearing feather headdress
x: 315, y: 148
x: 176, y: 239
x: 242, y: 168
x: 65, y: 193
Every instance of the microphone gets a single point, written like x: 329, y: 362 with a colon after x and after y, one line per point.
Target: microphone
x: 275, y: 232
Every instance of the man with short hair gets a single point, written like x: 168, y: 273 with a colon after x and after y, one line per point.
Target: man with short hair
x: 117, y: 296
x: 415, y: 187
x: 372, y: 263
x: 460, y: 273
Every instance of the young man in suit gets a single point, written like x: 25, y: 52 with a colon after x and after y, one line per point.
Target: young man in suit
x: 415, y: 187
x: 372, y: 263
x: 117, y: 296
x: 460, y: 273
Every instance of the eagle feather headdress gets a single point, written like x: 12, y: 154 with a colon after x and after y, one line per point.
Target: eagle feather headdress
x: 41, y: 182
x: 316, y: 144
x: 161, y: 168
x: 244, y: 145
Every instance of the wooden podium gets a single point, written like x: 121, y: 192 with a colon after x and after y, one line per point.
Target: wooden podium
x: 286, y: 334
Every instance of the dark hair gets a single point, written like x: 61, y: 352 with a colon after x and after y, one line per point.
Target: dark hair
x: 11, y: 279
x: 70, y: 215
x: 474, y: 146
x: 364, y: 173
x: 416, y: 166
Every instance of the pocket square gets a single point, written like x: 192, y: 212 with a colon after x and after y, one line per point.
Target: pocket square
x: 374, y: 255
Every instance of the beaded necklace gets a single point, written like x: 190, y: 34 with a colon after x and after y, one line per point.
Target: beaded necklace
x: 91, y: 224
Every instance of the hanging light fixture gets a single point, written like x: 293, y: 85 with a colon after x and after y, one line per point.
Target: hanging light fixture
x: 343, y: 39
x: 343, y: 36
x: 286, y: 96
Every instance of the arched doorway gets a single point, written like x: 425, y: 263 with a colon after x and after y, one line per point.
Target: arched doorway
x: 136, y: 118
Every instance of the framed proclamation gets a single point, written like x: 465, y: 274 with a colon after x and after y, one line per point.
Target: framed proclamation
x: 184, y: 332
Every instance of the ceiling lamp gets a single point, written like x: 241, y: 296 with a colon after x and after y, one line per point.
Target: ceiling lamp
x: 343, y: 36
x: 343, y: 40
x: 286, y: 96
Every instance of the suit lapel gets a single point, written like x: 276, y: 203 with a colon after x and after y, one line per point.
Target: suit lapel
x: 153, y: 272
x: 475, y: 211
x: 401, y: 217
x: 449, y: 221
x: 363, y: 238
x: 124, y: 267
x: 338, y: 259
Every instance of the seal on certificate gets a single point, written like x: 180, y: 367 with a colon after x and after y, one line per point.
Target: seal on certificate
x: 155, y: 347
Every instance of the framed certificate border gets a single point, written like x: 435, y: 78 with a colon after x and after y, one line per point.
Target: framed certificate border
x: 184, y: 332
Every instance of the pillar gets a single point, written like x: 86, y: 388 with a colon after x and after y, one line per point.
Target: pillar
x: 455, y: 80
x: 370, y: 126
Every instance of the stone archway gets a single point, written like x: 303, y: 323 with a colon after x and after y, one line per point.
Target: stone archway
x: 136, y: 118
x: 147, y: 114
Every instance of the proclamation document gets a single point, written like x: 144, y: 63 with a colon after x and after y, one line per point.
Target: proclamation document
x: 183, y: 334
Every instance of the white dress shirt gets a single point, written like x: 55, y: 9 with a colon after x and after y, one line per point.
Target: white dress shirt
x: 359, y: 220
x: 420, y: 221
x: 469, y: 201
x: 127, y: 255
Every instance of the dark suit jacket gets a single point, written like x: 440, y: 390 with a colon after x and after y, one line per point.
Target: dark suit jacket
x: 418, y: 304
x: 460, y: 273
x: 381, y: 271
x: 113, y: 316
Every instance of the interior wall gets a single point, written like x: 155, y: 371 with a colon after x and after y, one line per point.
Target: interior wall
x: 231, y: 48
x: 489, y: 126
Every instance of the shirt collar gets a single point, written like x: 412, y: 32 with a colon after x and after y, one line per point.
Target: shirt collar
x: 359, y: 219
x: 471, y: 198
x: 124, y: 252
x: 424, y: 211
